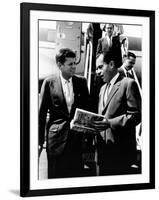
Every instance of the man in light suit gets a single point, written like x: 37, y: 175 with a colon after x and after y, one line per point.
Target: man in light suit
x: 120, y: 103
x: 60, y: 95
x: 109, y: 42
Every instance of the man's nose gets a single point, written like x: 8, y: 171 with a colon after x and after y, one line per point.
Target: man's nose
x: 73, y: 66
x: 98, y: 72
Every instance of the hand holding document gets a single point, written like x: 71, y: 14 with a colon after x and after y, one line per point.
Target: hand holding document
x: 83, y: 121
x: 101, y: 125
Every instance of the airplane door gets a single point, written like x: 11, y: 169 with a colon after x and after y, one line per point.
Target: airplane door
x: 69, y: 36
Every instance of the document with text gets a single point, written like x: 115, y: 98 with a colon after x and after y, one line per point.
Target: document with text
x: 83, y: 121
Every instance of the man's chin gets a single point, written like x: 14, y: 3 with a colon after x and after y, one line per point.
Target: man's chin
x: 72, y: 74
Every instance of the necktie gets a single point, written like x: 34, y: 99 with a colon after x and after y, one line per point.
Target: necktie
x: 128, y: 74
x: 105, y: 94
x: 69, y: 95
x: 107, y: 134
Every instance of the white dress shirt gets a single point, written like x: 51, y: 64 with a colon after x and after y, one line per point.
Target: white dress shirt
x: 109, y: 40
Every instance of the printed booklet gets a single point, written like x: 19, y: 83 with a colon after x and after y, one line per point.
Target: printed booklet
x: 83, y: 121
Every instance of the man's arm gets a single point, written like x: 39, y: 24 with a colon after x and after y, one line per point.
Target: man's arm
x: 132, y: 117
x: 43, y: 109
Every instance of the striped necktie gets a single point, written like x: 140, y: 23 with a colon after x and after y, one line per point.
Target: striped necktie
x: 107, y: 134
x: 105, y: 94
x: 130, y: 75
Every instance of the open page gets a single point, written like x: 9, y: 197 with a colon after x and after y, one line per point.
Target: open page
x: 83, y: 119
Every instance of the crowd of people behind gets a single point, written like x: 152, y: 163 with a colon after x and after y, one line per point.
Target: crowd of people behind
x: 117, y: 98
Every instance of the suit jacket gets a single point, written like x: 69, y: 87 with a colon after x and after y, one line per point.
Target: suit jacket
x: 123, y: 109
x: 137, y: 77
x: 123, y: 72
x: 52, y: 99
x: 103, y: 47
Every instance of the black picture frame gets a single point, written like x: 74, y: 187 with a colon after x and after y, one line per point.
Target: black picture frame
x: 25, y: 76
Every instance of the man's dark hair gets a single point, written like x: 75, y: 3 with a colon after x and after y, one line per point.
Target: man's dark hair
x: 130, y: 54
x: 111, y: 56
x: 63, y: 54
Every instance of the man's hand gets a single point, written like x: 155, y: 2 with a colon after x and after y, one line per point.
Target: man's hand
x: 71, y: 123
x: 88, y: 129
x: 101, y: 125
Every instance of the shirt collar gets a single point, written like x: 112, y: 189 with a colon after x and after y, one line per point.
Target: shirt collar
x: 110, y: 38
x: 114, y: 79
x: 123, y: 67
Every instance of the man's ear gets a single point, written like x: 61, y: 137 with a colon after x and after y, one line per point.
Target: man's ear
x: 124, y: 58
x: 59, y: 64
x: 112, y: 64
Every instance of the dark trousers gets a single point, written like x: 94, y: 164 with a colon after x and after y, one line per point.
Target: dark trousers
x: 112, y: 160
x: 64, y: 166
x: 69, y: 162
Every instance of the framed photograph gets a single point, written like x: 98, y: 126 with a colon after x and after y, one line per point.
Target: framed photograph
x: 62, y: 147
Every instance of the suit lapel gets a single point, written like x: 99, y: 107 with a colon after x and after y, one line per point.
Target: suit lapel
x: 74, y: 82
x: 75, y: 91
x: 58, y: 91
x: 112, y: 92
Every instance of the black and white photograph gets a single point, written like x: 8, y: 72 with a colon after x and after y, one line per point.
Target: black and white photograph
x: 85, y: 45
x: 87, y: 75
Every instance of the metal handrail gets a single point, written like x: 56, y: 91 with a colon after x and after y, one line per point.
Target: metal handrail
x: 136, y: 79
x: 90, y: 66
x: 87, y: 61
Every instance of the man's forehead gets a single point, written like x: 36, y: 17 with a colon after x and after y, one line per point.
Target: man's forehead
x: 109, y: 26
x: 69, y: 59
x: 131, y: 58
x: 99, y: 60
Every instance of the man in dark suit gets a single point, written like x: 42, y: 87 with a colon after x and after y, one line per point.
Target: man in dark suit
x: 60, y: 95
x: 109, y: 42
x: 120, y: 103
x: 127, y: 70
x: 129, y: 60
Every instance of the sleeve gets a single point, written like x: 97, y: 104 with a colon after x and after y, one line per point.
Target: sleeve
x: 43, y: 109
x: 132, y: 116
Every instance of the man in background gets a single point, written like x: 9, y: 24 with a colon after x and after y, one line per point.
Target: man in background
x: 129, y: 60
x: 127, y: 69
x: 109, y: 42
